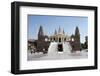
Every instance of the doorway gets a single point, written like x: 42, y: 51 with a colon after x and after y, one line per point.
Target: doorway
x: 60, y: 47
x: 59, y: 39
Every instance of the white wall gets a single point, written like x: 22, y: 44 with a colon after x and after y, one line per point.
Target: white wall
x: 5, y: 27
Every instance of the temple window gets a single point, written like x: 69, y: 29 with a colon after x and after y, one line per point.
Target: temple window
x: 54, y: 39
x: 51, y: 39
x: 64, y: 39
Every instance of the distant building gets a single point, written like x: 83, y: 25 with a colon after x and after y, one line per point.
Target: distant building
x: 43, y: 42
x: 86, y: 42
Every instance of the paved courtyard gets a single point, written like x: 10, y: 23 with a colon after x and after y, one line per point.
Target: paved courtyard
x: 56, y: 56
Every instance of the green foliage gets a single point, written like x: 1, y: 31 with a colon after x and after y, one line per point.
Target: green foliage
x: 84, y: 45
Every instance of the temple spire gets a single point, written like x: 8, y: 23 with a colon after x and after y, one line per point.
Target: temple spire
x: 55, y: 32
x: 77, y: 34
x: 59, y: 30
x: 63, y: 31
x: 41, y: 31
x: 77, y: 31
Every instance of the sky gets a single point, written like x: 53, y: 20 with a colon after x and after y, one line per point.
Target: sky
x: 50, y: 23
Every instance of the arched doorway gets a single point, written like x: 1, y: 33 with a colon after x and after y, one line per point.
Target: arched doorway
x: 59, y: 39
